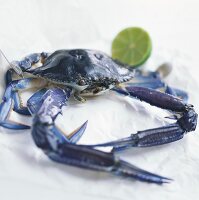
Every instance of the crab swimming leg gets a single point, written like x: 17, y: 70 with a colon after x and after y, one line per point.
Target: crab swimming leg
x: 17, y: 107
x: 185, y: 116
x: 59, y: 149
x: 154, y: 80
x: 26, y: 63
x: 9, y: 98
x: 18, y: 68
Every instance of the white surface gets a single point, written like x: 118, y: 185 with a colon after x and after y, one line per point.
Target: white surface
x: 35, y: 26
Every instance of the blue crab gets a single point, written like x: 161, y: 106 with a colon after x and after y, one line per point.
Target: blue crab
x: 80, y: 73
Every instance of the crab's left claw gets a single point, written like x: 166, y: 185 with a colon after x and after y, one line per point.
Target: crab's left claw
x: 62, y: 149
x: 75, y: 136
x: 35, y: 103
x: 88, y: 158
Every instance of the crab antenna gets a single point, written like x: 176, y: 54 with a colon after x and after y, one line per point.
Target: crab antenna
x: 14, y: 67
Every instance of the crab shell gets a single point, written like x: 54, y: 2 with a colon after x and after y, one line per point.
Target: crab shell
x: 87, y: 71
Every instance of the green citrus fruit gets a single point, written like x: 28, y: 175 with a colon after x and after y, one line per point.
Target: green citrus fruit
x: 132, y: 46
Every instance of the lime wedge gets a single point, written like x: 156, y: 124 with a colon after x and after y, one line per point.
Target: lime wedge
x: 132, y: 46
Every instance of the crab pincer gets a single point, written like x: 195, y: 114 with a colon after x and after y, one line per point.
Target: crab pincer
x: 60, y: 148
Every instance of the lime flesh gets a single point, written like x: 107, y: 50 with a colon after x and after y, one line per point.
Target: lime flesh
x: 132, y: 46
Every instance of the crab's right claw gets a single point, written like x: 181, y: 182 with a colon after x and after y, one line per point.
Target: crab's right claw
x: 184, y: 114
x: 146, y: 138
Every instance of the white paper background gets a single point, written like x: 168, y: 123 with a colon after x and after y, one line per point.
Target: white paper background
x: 46, y: 25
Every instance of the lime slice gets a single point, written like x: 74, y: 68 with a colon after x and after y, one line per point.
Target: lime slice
x: 132, y: 46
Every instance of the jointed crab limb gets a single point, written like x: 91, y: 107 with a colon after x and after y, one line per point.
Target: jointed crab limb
x: 88, y: 158
x: 75, y: 136
x: 29, y: 60
x: 23, y: 65
x: 177, y: 93
x: 147, y: 138
x: 50, y: 111
x: 60, y: 150
x: 7, y: 104
x: 184, y: 114
x: 153, y: 80
x: 35, y: 101
x: 11, y: 98
x: 17, y: 100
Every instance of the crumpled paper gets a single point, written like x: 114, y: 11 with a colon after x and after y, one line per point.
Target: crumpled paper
x: 36, y: 26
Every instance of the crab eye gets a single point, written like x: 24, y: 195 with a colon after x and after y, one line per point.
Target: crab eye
x: 79, y: 57
x: 76, y: 54
x: 98, y: 56
x: 82, y: 82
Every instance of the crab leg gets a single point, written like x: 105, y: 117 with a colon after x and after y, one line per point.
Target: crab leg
x: 60, y: 150
x: 17, y: 101
x: 186, y: 120
x: 154, y: 80
x: 28, y: 61
x: 22, y: 66
x: 10, y: 96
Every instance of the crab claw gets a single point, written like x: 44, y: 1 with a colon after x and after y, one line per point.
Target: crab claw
x: 146, y: 138
x: 185, y: 116
x: 188, y: 121
x: 35, y: 104
x: 88, y: 158
x: 75, y: 136
x: 127, y: 169
x: 62, y: 149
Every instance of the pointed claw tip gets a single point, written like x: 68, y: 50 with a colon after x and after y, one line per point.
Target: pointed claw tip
x: 85, y: 123
x: 166, y: 180
x: 83, y: 126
